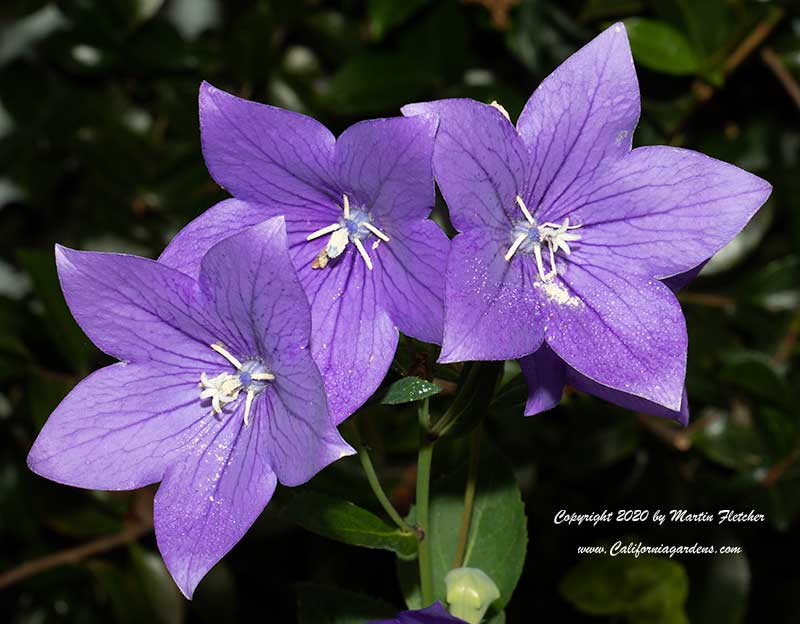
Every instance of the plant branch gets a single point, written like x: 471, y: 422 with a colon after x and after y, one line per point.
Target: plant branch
x: 469, y: 496
x: 774, y: 62
x: 789, y: 341
x: 703, y: 92
x: 141, y: 524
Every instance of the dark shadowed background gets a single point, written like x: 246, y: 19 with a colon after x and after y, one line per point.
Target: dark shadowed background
x: 99, y: 149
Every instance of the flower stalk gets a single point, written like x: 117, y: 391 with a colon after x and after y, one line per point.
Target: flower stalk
x: 374, y: 482
x: 424, y: 461
x: 469, y: 497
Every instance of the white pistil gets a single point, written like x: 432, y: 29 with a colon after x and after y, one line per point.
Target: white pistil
x: 340, y: 236
x: 226, y: 387
x: 360, y: 246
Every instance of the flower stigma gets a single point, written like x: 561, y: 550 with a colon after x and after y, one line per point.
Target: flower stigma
x: 251, y: 377
x: 529, y: 237
x: 354, y: 226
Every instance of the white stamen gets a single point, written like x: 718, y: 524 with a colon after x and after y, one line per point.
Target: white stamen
x: 359, y: 245
x: 537, y: 252
x: 226, y: 354
x: 323, y: 231
x: 514, y: 246
x: 376, y: 231
x: 341, y: 235
x: 226, y: 387
x: 337, y: 243
x: 528, y: 215
x: 221, y: 389
x: 248, y: 403
x: 501, y: 108
x: 552, y: 260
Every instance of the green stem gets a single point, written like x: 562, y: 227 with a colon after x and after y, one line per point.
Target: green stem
x: 469, y: 496
x: 374, y: 482
x: 458, y: 405
x: 424, y: 461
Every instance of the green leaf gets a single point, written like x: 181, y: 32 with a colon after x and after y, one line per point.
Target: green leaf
x: 723, y: 590
x: 736, y: 446
x: 658, y: 46
x: 386, y: 14
x: 498, y: 533
x: 757, y: 374
x: 373, y: 83
x: 343, y: 521
x: 643, y: 589
x: 409, y: 389
x: 162, y: 595
x: 58, y: 322
x: 46, y: 391
x: 317, y: 604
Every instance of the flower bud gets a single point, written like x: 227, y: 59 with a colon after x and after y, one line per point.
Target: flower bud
x: 470, y: 593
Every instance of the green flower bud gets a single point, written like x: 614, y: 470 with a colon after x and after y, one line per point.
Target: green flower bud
x: 470, y: 593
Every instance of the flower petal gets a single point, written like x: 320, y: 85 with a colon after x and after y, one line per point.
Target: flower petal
x: 119, y: 428
x: 479, y: 161
x: 251, y: 295
x: 625, y: 332
x: 661, y: 211
x: 410, y: 281
x: 680, y: 281
x: 435, y: 614
x: 385, y: 166
x: 265, y: 154
x: 353, y: 339
x: 492, y: 311
x: 545, y: 373
x: 581, y: 117
x: 229, y: 217
x: 629, y: 401
x: 298, y: 438
x: 133, y: 308
x: 208, y: 501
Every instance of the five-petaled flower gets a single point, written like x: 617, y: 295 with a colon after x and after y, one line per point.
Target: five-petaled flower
x: 435, y: 614
x: 356, y: 211
x: 217, y: 395
x: 566, y: 234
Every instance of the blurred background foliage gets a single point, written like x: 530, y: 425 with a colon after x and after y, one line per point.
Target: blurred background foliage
x: 99, y: 150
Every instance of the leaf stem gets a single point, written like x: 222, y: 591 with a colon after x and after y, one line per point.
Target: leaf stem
x: 469, y: 496
x: 374, y: 482
x: 424, y: 461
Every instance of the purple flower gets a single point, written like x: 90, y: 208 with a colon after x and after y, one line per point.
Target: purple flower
x: 356, y: 210
x: 217, y: 395
x: 566, y: 233
x: 435, y: 614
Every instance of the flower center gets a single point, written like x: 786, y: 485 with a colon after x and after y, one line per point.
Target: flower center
x: 354, y: 226
x: 529, y: 237
x: 251, y: 377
